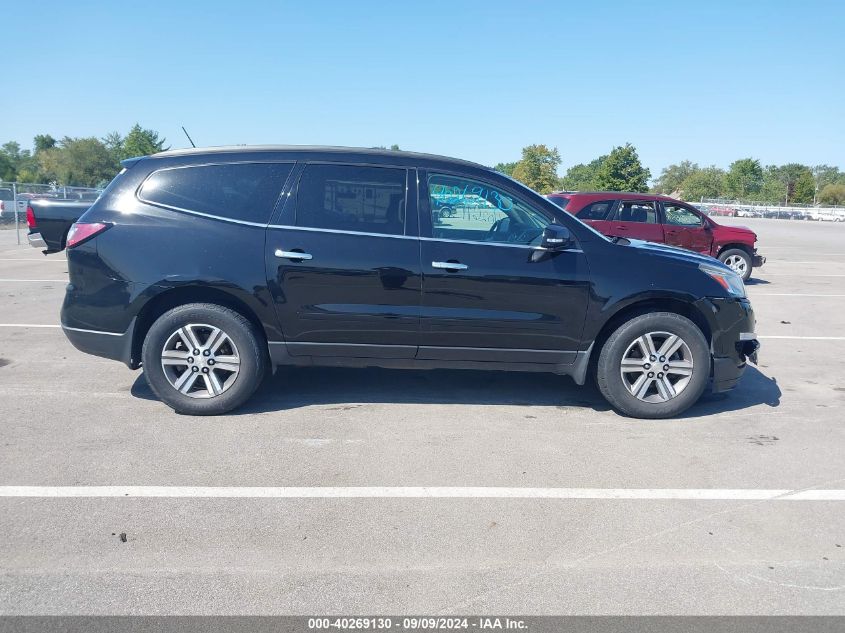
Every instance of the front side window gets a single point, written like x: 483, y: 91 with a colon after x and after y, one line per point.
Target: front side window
x: 595, y: 211
x: 238, y: 191
x: 466, y: 209
x: 681, y: 216
x: 352, y: 198
x: 638, y: 211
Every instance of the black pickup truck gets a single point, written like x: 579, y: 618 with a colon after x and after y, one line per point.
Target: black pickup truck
x: 50, y: 220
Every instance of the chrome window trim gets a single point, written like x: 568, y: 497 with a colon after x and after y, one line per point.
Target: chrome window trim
x: 78, y: 329
x: 503, y: 244
x: 201, y: 214
x: 414, y: 237
x: 340, y: 231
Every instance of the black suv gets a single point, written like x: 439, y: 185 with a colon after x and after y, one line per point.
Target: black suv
x: 209, y: 267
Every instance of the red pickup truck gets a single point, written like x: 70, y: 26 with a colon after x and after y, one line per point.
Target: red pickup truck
x: 665, y: 220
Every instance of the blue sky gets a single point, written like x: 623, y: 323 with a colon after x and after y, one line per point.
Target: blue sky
x: 709, y: 81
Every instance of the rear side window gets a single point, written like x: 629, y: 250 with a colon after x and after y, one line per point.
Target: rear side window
x: 6, y: 194
x: 560, y: 201
x: 352, y: 198
x: 237, y: 191
x: 595, y: 211
x: 638, y: 211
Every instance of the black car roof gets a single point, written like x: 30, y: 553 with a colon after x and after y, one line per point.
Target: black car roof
x: 318, y: 151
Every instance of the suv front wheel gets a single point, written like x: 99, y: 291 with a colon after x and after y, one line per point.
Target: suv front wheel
x: 203, y: 359
x: 656, y: 365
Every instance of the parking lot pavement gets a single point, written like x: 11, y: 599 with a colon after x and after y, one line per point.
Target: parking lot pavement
x: 74, y: 420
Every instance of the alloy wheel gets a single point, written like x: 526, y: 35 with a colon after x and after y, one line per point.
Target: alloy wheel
x: 657, y: 367
x: 200, y: 360
x: 736, y: 263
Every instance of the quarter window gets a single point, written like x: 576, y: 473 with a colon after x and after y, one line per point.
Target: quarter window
x: 237, y: 191
x: 352, y: 198
x: 636, y: 212
x: 464, y: 209
x: 595, y: 211
x: 682, y: 216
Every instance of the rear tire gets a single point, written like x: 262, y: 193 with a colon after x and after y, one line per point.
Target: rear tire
x: 203, y: 359
x: 636, y: 382
x: 737, y: 260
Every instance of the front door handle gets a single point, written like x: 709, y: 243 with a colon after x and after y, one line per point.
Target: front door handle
x: 292, y: 254
x: 449, y: 265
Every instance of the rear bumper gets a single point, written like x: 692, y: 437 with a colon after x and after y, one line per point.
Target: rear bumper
x: 113, y: 345
x: 36, y: 241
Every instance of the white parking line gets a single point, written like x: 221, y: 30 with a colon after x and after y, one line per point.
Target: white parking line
x: 29, y: 325
x: 387, y: 492
x: 807, y: 338
x: 57, y: 281
x: 768, y: 274
x: 789, y: 294
x: 32, y: 259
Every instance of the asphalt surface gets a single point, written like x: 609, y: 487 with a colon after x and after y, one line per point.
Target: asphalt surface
x: 68, y: 419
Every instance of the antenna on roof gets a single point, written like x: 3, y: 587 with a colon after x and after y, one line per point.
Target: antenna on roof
x: 189, y: 137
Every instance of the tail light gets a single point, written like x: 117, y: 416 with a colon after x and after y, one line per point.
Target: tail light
x: 2, y: 206
x: 30, y: 217
x: 82, y: 231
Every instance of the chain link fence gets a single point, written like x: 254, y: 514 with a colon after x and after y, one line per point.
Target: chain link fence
x: 14, y: 197
x: 793, y: 211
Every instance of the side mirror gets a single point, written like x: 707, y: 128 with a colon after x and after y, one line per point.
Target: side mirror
x: 556, y: 238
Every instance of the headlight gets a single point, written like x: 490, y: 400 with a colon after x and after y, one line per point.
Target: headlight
x: 726, y: 278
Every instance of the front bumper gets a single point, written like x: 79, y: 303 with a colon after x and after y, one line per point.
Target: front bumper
x: 757, y: 260
x: 733, y: 342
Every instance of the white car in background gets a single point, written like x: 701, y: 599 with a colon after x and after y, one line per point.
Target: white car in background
x: 7, y: 204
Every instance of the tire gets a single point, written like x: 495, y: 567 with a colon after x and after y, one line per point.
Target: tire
x: 223, y: 379
x: 692, y: 355
x: 738, y: 260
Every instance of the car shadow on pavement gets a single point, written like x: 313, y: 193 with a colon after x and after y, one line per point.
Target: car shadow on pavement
x: 293, y: 388
x: 756, y: 282
x: 755, y: 388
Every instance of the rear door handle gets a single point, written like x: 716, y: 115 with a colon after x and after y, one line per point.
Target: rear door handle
x: 449, y: 265
x: 292, y: 254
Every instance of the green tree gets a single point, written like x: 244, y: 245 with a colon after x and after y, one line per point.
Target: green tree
x: 142, y: 142
x: 7, y: 168
x: 622, y: 171
x: 42, y: 142
x: 14, y: 160
x: 704, y: 183
x: 827, y: 175
x: 833, y: 193
x: 791, y: 183
x: 583, y: 177
x: 505, y: 168
x: 744, y: 179
x: 78, y: 161
x: 672, y: 177
x: 538, y: 168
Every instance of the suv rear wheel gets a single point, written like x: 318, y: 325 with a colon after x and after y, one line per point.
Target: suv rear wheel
x: 737, y: 260
x: 654, y: 366
x: 203, y: 359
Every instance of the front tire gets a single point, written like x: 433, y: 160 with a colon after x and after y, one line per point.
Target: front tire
x: 656, y: 365
x: 203, y: 359
x: 737, y: 260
